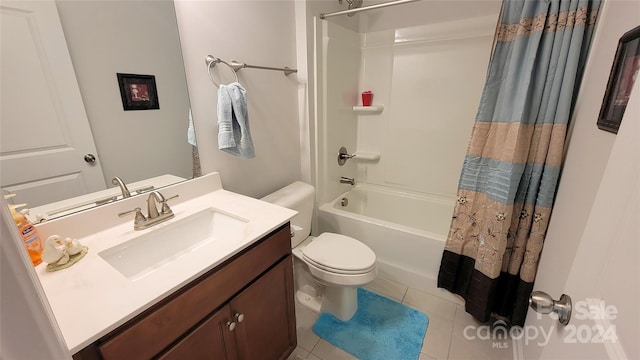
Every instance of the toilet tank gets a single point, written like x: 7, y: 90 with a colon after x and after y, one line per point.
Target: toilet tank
x: 297, y: 196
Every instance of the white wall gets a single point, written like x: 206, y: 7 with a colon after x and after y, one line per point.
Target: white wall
x: 427, y: 73
x: 257, y: 33
x: 425, y: 12
x: 430, y: 79
x: 28, y: 329
x: 136, y: 37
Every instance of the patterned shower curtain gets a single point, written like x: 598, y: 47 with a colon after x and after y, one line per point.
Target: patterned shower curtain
x: 513, y: 161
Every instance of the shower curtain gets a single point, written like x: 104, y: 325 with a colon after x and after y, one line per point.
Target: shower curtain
x: 513, y: 161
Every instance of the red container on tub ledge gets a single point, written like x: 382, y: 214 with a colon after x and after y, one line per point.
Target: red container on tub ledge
x: 367, y: 98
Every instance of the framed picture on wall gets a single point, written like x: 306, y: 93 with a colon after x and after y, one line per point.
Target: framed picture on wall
x: 138, y: 92
x: 624, y: 73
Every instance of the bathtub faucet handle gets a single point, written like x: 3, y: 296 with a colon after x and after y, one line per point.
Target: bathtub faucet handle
x: 347, y: 180
x: 343, y: 156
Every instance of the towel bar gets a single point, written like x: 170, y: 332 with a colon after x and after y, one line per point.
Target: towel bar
x: 235, y: 66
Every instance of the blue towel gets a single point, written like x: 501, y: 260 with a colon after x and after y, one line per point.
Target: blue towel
x: 191, y: 131
x: 234, y: 136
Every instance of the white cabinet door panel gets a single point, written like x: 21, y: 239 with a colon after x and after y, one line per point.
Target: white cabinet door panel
x: 44, y: 131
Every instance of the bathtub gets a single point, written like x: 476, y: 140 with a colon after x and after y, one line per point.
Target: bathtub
x: 407, y: 231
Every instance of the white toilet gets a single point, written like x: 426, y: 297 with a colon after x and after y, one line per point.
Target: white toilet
x: 338, y: 264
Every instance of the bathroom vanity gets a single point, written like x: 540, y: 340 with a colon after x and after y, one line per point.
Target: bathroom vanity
x: 227, y: 295
x: 242, y: 309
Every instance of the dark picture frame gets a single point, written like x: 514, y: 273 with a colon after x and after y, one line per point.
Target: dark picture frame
x: 138, y: 92
x: 624, y: 72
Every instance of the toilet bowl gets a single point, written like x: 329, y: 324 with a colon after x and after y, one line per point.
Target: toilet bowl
x: 338, y: 264
x: 341, y: 264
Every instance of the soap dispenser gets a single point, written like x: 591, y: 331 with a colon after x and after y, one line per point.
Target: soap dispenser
x: 28, y: 233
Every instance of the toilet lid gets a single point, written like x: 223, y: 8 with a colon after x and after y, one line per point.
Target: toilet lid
x: 339, y: 252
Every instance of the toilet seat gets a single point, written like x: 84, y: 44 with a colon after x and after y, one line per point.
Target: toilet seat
x: 339, y: 254
x: 329, y: 278
x: 336, y: 271
x: 339, y: 251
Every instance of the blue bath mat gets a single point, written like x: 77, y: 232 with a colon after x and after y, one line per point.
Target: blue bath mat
x: 381, y: 329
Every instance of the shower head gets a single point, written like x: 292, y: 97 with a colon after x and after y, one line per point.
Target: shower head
x: 353, y: 4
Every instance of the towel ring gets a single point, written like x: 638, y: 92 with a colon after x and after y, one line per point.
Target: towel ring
x: 211, y: 62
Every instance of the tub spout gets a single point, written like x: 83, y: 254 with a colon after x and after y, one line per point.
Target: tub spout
x: 347, y: 180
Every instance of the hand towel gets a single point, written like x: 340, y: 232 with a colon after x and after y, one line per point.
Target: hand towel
x: 234, y: 136
x: 191, y: 131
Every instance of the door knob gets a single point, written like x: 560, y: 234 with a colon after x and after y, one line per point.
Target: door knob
x: 90, y: 158
x: 543, y: 303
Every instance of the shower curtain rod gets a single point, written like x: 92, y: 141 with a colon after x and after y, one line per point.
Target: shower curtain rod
x: 365, y: 8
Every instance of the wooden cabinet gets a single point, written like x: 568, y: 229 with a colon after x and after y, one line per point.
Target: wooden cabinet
x: 264, y: 333
x: 211, y: 340
x: 242, y: 309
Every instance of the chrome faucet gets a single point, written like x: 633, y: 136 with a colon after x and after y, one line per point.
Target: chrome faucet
x: 347, y: 180
x: 153, y: 200
x: 154, y: 216
x: 123, y: 187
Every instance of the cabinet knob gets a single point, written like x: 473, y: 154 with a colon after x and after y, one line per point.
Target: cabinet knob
x: 231, y: 325
x: 239, y: 317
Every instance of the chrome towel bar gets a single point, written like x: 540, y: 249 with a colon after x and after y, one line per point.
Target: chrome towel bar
x: 235, y: 66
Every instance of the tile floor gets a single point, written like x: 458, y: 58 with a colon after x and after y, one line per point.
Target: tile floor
x: 445, y: 338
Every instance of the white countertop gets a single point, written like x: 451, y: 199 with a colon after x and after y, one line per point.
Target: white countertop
x: 91, y: 298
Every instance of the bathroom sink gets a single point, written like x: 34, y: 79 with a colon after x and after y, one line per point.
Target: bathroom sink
x: 167, y: 242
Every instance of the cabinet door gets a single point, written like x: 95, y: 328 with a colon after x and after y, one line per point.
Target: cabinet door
x: 267, y: 330
x: 213, y: 339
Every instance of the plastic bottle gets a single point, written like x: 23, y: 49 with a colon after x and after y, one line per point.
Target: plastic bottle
x: 29, y: 234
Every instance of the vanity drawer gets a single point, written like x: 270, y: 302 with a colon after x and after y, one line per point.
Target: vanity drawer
x: 152, y: 331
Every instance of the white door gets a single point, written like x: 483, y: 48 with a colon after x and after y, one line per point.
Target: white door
x: 604, y: 280
x: 45, y: 132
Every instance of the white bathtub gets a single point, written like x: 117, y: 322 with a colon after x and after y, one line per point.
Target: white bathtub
x: 406, y: 231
